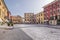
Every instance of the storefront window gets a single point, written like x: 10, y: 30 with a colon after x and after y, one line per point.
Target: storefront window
x: 52, y: 18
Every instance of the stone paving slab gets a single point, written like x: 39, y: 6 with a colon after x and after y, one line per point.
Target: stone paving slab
x: 14, y: 34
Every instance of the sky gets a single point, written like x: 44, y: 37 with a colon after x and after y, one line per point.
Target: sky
x: 19, y: 7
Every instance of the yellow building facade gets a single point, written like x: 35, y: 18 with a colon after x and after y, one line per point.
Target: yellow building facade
x: 39, y: 18
x: 3, y: 10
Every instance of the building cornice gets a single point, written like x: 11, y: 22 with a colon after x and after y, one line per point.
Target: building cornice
x: 51, y: 3
x: 4, y: 4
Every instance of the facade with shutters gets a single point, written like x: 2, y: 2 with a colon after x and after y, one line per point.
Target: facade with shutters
x: 52, y: 12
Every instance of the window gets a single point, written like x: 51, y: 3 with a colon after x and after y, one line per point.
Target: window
x: 54, y: 12
x: 58, y: 11
x: 28, y: 19
x: 25, y: 19
x: 41, y: 14
x: 51, y: 13
x: 58, y: 5
x: 52, y: 18
x: 3, y: 7
x: 51, y: 7
x: 55, y: 17
x: 0, y: 3
x: 58, y: 17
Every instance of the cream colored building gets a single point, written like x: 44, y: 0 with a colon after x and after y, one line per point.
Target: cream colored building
x: 3, y: 11
x: 37, y: 18
x: 40, y: 18
x: 29, y: 17
x: 17, y: 19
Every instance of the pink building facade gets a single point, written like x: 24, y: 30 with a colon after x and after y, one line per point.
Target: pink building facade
x: 52, y: 12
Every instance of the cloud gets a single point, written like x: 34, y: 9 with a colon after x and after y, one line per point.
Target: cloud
x: 19, y: 7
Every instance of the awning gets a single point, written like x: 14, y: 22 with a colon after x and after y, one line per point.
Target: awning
x: 1, y: 20
x: 7, y: 20
x: 45, y: 20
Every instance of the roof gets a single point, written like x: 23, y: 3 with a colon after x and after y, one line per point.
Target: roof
x: 51, y: 3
